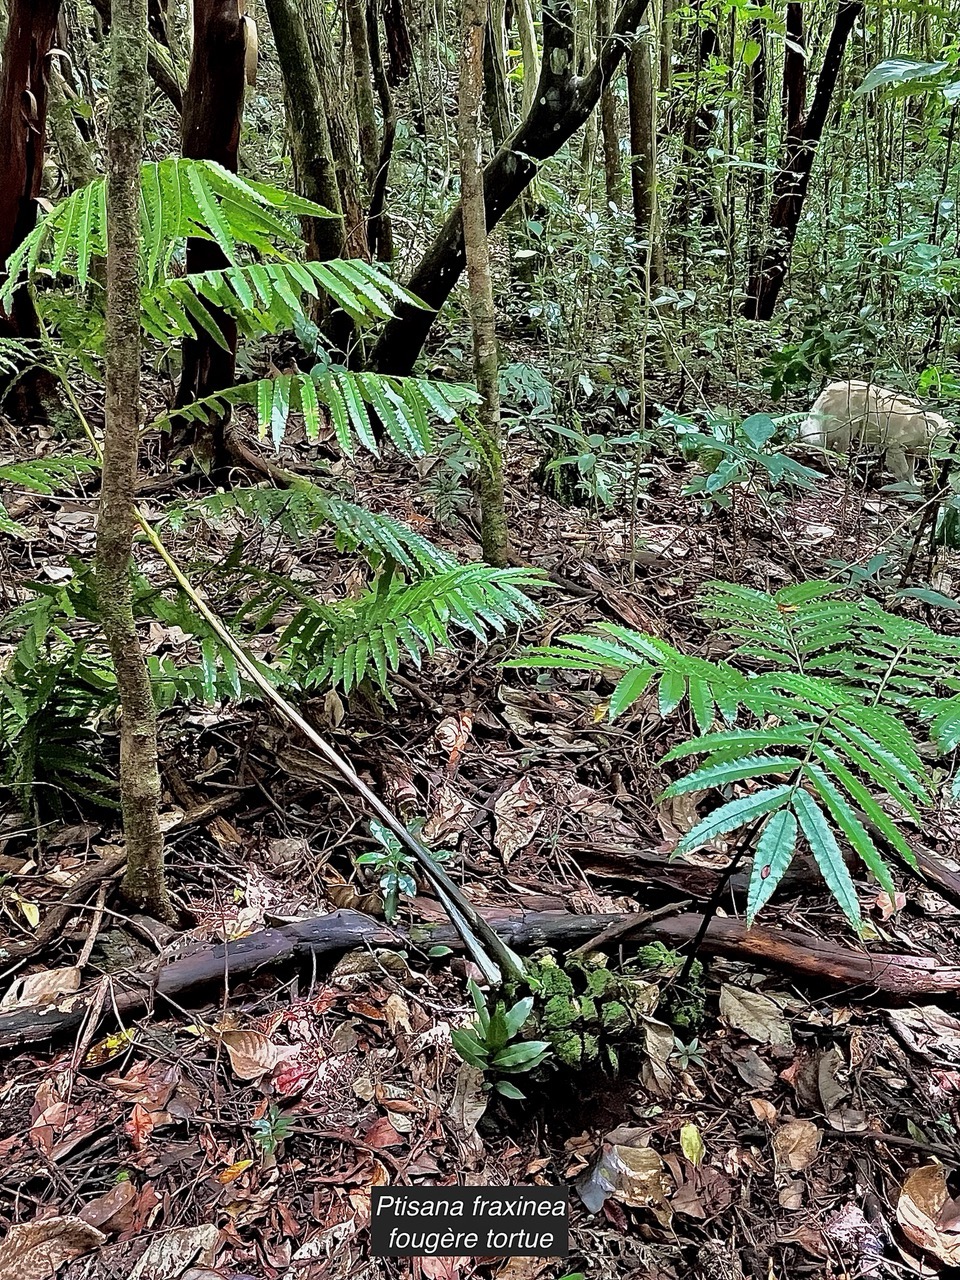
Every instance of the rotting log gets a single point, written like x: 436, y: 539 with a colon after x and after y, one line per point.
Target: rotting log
x: 203, y: 970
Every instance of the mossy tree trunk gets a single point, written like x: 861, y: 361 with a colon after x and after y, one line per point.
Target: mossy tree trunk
x: 313, y: 155
x: 330, y: 75
x: 493, y: 522
x: 144, y: 883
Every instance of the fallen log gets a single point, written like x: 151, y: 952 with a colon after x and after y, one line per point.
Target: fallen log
x: 209, y: 968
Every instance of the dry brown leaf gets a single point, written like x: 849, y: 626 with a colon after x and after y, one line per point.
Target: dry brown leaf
x: 755, y: 1015
x: 36, y: 1250
x: 398, y: 1015
x: 41, y: 988
x: 113, y: 1211
x: 167, y: 1256
x: 519, y: 812
x: 928, y: 1215
x: 252, y: 1054
x: 764, y: 1111
x: 452, y: 734
x: 639, y: 1179
x: 795, y: 1144
x: 791, y: 1195
x: 929, y: 1031
x: 469, y: 1101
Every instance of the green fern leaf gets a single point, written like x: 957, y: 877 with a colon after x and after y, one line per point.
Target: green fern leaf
x: 721, y: 775
x: 775, y: 851
x: 826, y: 851
x: 734, y: 814
x: 851, y: 826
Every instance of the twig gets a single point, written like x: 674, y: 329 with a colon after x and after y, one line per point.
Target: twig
x: 629, y: 924
x: 94, y: 927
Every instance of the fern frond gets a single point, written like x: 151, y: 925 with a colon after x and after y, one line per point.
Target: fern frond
x: 180, y: 198
x: 404, y: 406
x: 304, y: 509
x: 369, y: 638
x: 39, y: 475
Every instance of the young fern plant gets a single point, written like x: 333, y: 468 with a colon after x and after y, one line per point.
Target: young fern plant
x: 810, y: 726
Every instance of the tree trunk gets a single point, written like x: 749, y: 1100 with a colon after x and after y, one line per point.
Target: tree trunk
x: 329, y: 72
x: 313, y: 157
x: 792, y: 181
x: 161, y: 63
x: 643, y: 175
x: 694, y: 189
x: 523, y: 15
x: 562, y: 103
x: 75, y: 152
x: 379, y: 223
x: 493, y: 521
x: 612, y: 164
x: 495, y: 74
x: 144, y: 883
x: 31, y: 30
x: 399, y: 48
x: 212, y: 112
x: 757, y: 176
x: 363, y: 81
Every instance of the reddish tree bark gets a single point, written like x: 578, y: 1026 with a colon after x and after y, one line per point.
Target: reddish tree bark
x: 212, y: 112
x: 803, y: 134
x: 23, y: 122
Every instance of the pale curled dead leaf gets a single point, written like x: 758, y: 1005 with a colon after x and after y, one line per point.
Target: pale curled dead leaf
x: 37, y: 1250
x: 42, y: 988
x: 252, y: 1054
x: 795, y: 1144
x: 168, y: 1255
x: 452, y: 734
x: 928, y: 1215
x: 469, y: 1101
x: 519, y: 812
x: 755, y: 1015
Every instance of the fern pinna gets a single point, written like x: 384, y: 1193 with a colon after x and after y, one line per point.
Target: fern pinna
x: 810, y: 724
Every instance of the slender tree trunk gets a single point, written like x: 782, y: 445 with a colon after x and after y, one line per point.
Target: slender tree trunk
x: 31, y: 29
x: 75, y: 151
x: 523, y: 15
x: 313, y: 161
x: 495, y: 73
x: 399, y: 48
x: 612, y: 163
x: 161, y: 63
x: 493, y: 520
x: 757, y: 176
x: 694, y: 189
x: 212, y: 113
x: 562, y: 103
x: 379, y: 223
x: 329, y: 72
x: 791, y: 183
x: 643, y: 176
x: 313, y: 156
x: 144, y: 883
x: 363, y: 81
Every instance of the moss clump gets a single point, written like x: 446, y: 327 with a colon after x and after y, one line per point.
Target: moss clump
x: 683, y: 1008
x: 585, y: 1008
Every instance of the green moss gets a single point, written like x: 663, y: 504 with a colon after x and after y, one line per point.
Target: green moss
x: 617, y: 1019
